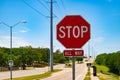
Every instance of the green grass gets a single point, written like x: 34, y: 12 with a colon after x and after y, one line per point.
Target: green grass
x: 105, y: 75
x: 104, y: 69
x: 87, y: 77
x: 86, y: 60
x: 80, y: 62
x: 36, y: 77
x: 68, y: 66
x: 108, y: 77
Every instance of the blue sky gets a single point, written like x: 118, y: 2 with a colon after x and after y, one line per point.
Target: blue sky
x: 103, y: 16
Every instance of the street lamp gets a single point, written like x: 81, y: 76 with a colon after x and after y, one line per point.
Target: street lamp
x: 11, y: 61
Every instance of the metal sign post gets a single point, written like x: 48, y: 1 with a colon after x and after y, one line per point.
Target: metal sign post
x: 73, y: 68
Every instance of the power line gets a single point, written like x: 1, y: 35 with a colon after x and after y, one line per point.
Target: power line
x: 34, y: 8
x: 45, y: 7
x: 39, y: 11
x: 59, y: 9
x: 63, y: 5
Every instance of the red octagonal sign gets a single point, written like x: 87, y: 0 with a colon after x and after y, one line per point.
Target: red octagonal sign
x: 73, y: 31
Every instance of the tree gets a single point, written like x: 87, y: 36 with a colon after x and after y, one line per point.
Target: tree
x: 111, y: 60
x: 101, y: 59
x: 4, y: 58
x: 45, y: 53
x: 79, y: 59
x: 58, y: 57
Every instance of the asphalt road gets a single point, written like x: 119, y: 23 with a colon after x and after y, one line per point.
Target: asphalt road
x: 66, y: 74
x: 20, y: 73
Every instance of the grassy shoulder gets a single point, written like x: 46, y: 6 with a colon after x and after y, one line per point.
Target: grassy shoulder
x: 87, y: 77
x: 104, y: 74
x: 35, y: 77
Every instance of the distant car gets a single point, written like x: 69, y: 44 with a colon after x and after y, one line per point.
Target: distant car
x: 89, y: 64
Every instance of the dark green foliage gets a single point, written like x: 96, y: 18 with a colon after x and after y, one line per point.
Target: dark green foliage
x: 4, y: 57
x: 111, y: 60
x: 23, y: 55
x: 79, y: 59
x: 28, y: 55
x: 58, y: 57
x: 101, y: 59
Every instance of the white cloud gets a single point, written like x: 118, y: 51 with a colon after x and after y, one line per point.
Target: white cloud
x: 16, y: 41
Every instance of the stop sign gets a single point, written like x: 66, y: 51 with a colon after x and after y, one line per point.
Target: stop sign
x: 73, y: 31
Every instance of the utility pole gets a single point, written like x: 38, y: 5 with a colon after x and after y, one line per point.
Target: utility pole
x: 93, y: 53
x: 51, y: 35
x: 89, y: 50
